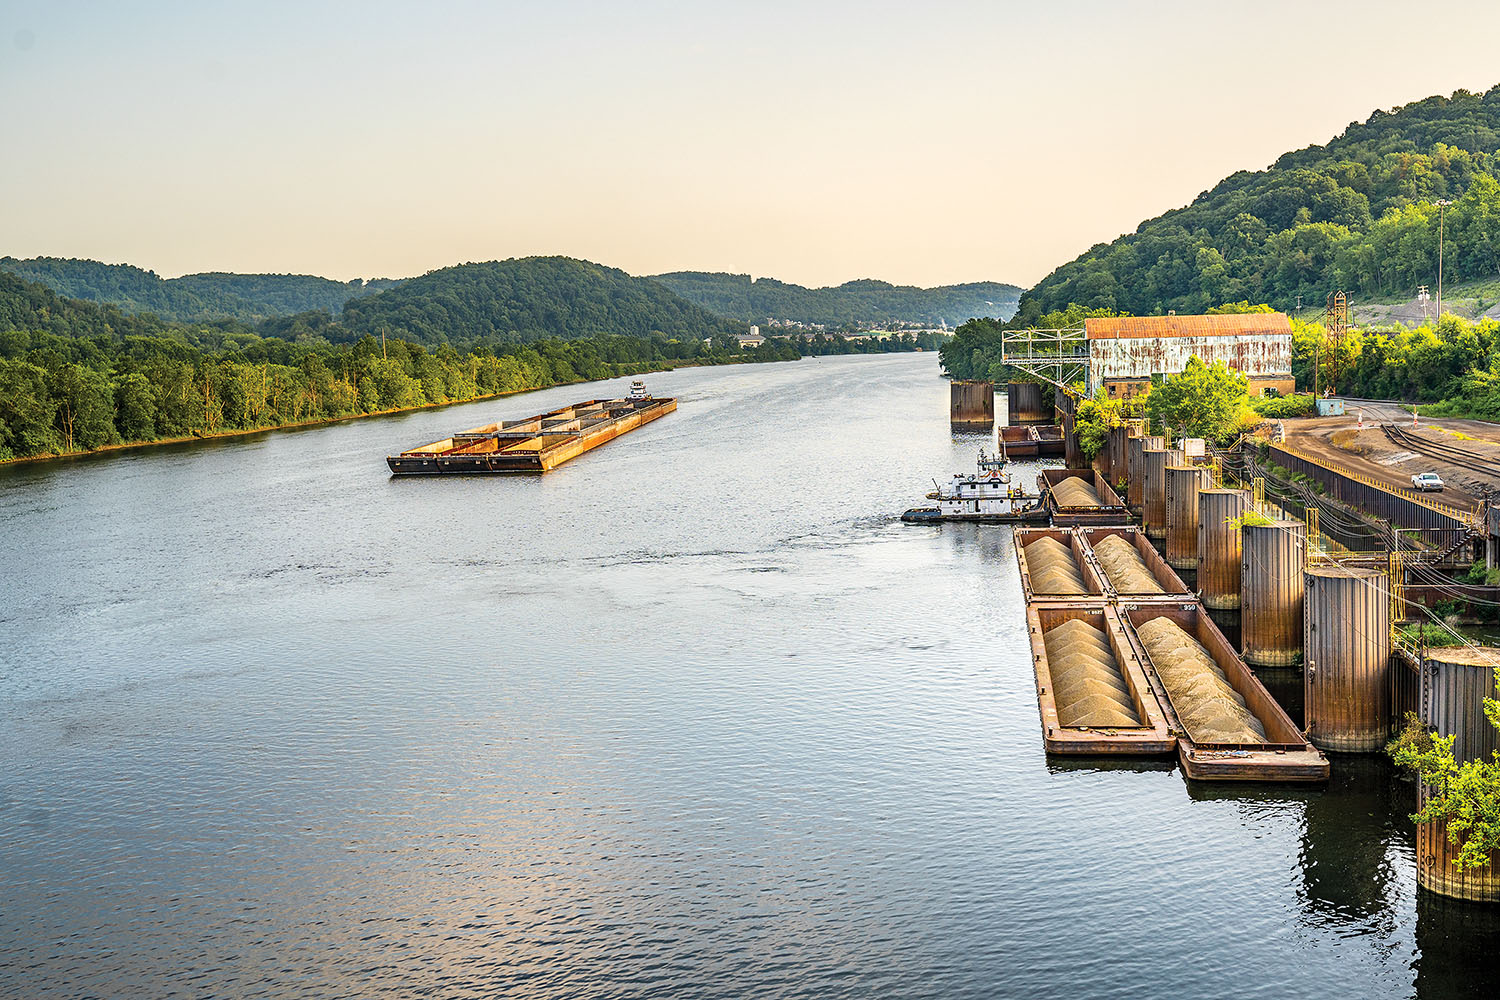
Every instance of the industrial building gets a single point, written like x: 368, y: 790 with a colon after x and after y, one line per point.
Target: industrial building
x: 1125, y: 352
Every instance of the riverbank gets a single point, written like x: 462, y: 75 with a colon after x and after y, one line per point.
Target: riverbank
x: 240, y: 432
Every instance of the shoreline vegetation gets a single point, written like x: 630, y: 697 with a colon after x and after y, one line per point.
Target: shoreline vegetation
x: 325, y: 421
x: 78, y: 378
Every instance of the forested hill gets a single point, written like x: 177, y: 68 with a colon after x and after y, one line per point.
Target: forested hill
x: 856, y: 304
x: 531, y: 298
x: 193, y: 297
x: 1357, y: 214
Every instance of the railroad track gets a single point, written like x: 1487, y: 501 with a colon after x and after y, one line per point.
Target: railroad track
x: 1443, y: 452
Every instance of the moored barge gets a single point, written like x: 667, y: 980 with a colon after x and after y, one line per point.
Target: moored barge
x: 534, y: 444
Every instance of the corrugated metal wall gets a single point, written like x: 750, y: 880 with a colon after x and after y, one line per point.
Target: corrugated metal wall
x: 1256, y: 355
x: 1346, y: 653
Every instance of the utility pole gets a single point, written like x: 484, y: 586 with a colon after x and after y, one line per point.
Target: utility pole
x: 1442, y: 204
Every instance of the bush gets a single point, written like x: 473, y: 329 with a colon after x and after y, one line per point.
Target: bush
x: 1465, y: 797
x: 1285, y: 407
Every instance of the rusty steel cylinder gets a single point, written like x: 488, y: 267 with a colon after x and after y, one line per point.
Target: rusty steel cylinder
x: 1072, y: 449
x: 1154, y: 492
x: 1133, y: 451
x: 1271, y: 592
x: 1219, y: 513
x: 1024, y: 403
x: 1119, y: 438
x: 1454, y: 684
x: 971, y: 406
x: 1183, y: 485
x: 1346, y: 658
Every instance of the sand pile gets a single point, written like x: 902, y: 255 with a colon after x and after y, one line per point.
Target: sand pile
x: 1210, y: 709
x: 1053, y: 568
x: 1086, y: 684
x: 1076, y: 492
x: 1126, y: 569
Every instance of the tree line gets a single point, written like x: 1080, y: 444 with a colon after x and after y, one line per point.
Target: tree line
x: 192, y: 297
x: 76, y: 376
x: 855, y: 305
x: 61, y: 395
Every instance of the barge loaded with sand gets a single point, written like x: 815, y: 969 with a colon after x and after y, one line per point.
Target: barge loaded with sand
x: 1128, y: 662
x: 535, y: 444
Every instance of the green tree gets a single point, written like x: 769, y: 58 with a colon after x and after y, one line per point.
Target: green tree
x: 1094, y: 420
x: 1464, y: 797
x: 85, y: 407
x: 135, y: 407
x: 28, y: 410
x: 1205, y: 401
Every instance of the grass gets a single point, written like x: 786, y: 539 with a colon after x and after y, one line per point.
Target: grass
x: 1430, y: 636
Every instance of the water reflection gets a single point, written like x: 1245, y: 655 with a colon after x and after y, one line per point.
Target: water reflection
x: 1354, y: 836
x: 1102, y: 765
x: 1457, y: 947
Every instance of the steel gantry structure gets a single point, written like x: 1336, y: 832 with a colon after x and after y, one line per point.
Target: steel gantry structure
x: 1058, y: 357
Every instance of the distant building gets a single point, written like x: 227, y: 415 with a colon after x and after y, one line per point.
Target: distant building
x: 752, y: 339
x: 1126, y: 351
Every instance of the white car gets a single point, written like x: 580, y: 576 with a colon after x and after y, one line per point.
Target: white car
x: 1427, y: 481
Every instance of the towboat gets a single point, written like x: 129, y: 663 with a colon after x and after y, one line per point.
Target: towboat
x: 985, y: 495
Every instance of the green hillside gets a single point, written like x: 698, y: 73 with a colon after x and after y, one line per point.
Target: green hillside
x: 531, y: 298
x: 246, y: 297
x: 863, y: 304
x: 78, y: 376
x: 1357, y: 214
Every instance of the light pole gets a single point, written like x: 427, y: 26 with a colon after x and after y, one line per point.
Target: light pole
x: 1442, y: 204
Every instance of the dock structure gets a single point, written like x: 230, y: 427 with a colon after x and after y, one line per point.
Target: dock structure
x: 971, y: 406
x: 1346, y: 657
x: 1272, y: 556
x: 1184, y: 483
x: 1028, y: 403
x: 1221, y: 513
x: 534, y: 444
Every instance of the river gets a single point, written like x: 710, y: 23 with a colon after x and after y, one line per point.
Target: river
x: 692, y: 716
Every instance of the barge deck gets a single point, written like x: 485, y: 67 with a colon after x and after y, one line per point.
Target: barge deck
x: 536, y: 444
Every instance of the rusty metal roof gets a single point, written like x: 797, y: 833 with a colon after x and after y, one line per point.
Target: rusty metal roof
x: 1231, y: 325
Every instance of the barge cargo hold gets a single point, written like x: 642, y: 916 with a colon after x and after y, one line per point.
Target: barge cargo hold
x: 535, y: 444
x: 1142, y: 730
x: 1283, y: 755
x: 1095, y: 503
x: 1055, y: 567
x: 1131, y: 585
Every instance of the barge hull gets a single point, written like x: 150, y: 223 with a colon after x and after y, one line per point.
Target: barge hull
x: 534, y: 445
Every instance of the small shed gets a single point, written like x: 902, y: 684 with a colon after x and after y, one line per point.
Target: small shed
x: 1330, y: 407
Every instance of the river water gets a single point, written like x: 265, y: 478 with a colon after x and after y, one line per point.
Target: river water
x: 693, y: 716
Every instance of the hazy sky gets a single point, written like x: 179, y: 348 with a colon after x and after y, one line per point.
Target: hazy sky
x: 815, y: 142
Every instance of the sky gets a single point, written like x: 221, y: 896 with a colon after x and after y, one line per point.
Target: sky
x: 816, y: 142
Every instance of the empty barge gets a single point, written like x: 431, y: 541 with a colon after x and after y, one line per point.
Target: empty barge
x: 535, y: 444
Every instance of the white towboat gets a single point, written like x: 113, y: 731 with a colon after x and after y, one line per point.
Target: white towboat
x: 638, y: 390
x: 983, y: 495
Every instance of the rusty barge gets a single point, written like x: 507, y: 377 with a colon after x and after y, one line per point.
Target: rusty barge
x: 535, y: 444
